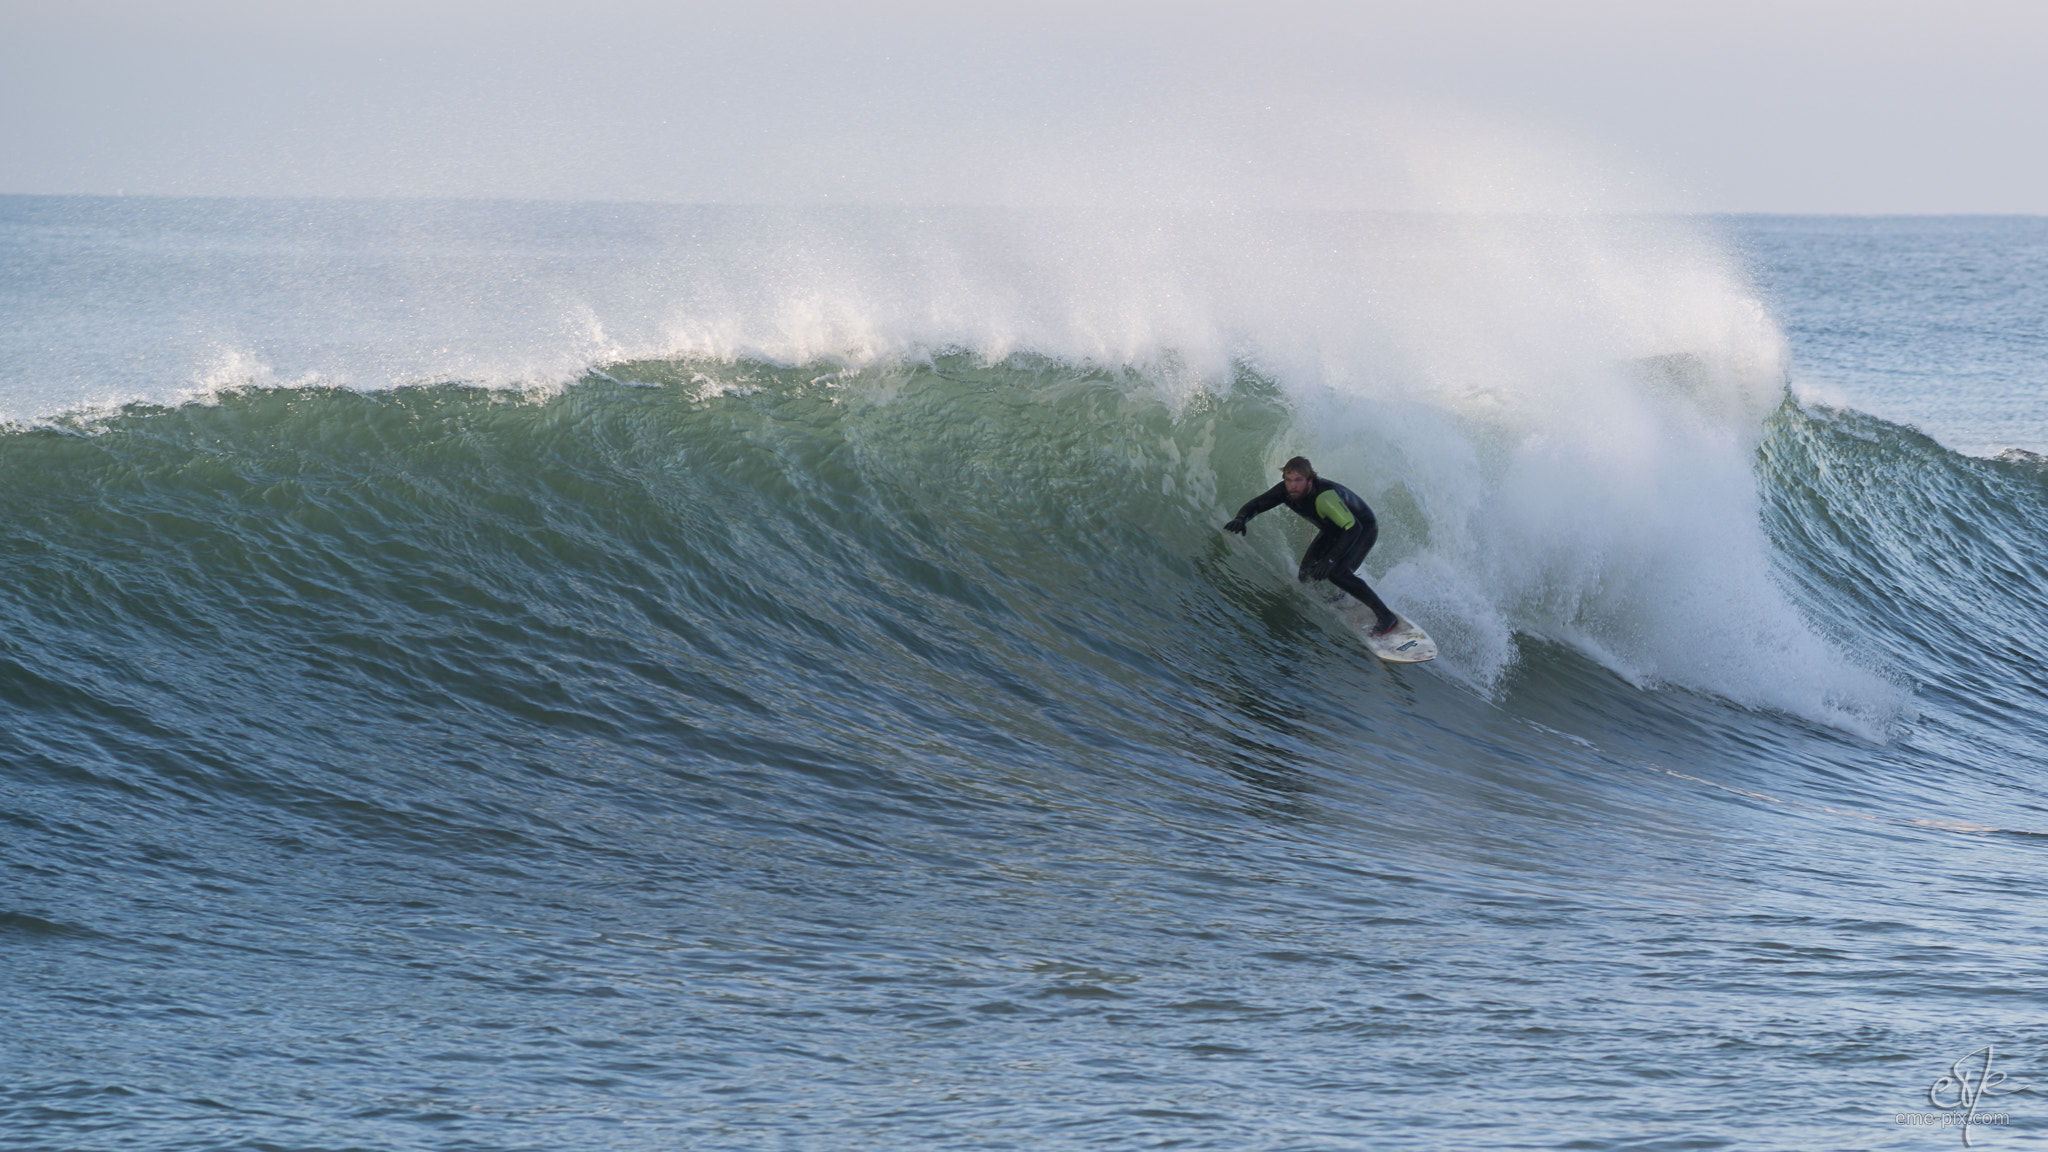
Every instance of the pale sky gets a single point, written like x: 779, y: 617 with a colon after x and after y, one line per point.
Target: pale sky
x: 1737, y: 106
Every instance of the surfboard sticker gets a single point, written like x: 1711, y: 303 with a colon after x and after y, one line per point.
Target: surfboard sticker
x: 1406, y: 644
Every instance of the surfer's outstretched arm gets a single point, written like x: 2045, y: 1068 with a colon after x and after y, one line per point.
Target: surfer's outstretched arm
x: 1265, y: 501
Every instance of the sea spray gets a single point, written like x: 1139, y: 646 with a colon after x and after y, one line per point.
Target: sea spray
x: 1557, y: 413
x: 884, y: 746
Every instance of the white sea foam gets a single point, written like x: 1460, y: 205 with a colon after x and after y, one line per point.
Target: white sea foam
x: 1558, y: 419
x: 1556, y: 413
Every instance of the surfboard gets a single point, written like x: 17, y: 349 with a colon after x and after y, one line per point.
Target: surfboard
x: 1406, y: 644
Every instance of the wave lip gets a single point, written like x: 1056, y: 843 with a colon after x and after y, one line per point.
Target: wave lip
x: 1033, y: 479
x: 1557, y: 416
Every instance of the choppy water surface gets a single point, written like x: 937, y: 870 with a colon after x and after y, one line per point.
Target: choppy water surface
x: 727, y: 744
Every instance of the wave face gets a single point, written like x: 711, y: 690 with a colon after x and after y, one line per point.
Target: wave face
x: 737, y: 747
x: 1558, y: 415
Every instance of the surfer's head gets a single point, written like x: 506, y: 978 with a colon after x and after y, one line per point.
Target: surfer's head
x: 1299, y: 476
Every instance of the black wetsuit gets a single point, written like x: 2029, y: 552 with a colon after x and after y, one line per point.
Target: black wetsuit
x: 1338, y: 549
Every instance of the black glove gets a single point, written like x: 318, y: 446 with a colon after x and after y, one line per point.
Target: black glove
x: 1316, y: 570
x: 1236, y: 526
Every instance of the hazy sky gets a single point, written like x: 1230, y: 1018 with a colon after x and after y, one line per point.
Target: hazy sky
x: 1793, y: 106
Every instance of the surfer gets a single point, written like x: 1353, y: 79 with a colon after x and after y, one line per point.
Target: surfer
x: 1345, y: 532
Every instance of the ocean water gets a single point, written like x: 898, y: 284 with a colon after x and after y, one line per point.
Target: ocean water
x: 500, y: 676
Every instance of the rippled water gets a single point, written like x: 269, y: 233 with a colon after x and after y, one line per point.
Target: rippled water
x: 889, y: 751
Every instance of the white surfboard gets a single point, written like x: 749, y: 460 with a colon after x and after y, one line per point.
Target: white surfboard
x: 1406, y: 644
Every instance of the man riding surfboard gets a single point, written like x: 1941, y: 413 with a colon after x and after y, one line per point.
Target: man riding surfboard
x: 1345, y: 531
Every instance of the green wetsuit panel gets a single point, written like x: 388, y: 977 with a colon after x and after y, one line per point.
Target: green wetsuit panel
x: 1330, y: 506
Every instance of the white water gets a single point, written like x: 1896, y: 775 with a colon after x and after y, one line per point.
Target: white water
x: 1556, y: 415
